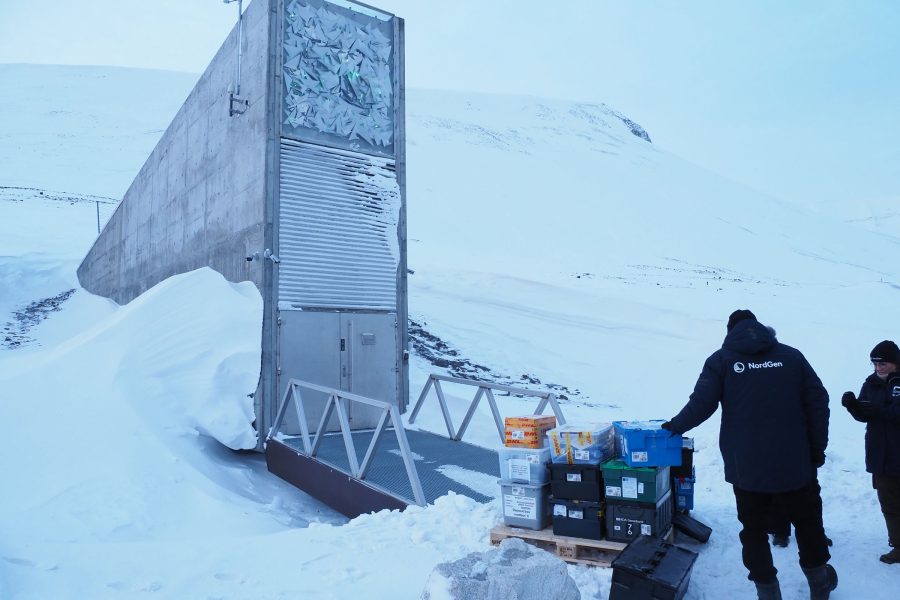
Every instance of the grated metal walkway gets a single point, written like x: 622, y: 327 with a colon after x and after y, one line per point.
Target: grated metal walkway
x: 432, y: 454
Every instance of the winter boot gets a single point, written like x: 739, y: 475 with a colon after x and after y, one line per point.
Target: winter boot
x: 780, y: 540
x: 822, y: 581
x: 892, y: 557
x: 893, y: 527
x: 768, y: 591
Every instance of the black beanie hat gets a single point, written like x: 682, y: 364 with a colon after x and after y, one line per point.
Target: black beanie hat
x: 739, y: 315
x: 886, y: 351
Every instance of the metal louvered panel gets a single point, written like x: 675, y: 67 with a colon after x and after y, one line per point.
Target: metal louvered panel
x: 337, y: 229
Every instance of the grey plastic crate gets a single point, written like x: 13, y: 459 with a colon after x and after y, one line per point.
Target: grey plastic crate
x: 525, y: 505
x: 524, y: 465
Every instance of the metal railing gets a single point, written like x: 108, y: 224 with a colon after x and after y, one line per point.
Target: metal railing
x: 484, y: 389
x: 338, y: 402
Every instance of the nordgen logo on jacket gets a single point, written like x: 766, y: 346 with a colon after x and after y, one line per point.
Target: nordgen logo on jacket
x: 769, y: 364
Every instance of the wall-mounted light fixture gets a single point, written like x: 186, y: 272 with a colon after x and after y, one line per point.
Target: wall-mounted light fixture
x: 266, y: 255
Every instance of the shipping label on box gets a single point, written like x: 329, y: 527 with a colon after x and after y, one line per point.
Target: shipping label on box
x: 630, y: 487
x: 519, y: 470
x: 520, y: 505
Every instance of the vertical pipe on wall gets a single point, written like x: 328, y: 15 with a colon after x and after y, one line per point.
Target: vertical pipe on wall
x: 240, y: 43
x: 237, y: 84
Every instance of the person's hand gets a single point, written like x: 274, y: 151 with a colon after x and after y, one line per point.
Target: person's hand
x: 818, y: 459
x: 849, y: 399
x: 668, y: 427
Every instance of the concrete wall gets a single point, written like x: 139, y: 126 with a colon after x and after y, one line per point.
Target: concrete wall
x: 208, y: 194
x: 200, y: 199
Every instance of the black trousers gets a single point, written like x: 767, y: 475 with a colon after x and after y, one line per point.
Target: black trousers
x: 779, y: 523
x: 888, y: 489
x: 804, y: 509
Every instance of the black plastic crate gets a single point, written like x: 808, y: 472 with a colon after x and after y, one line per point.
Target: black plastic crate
x: 686, y: 468
x: 651, y: 569
x: 627, y: 520
x: 580, y: 519
x: 691, y: 527
x: 576, y: 482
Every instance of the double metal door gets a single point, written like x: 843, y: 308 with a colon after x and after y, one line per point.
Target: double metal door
x: 352, y: 352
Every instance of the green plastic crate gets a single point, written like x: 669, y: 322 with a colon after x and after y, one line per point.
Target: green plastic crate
x: 638, y: 484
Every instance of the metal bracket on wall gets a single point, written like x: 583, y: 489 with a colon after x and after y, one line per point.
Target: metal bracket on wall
x: 266, y: 255
x: 237, y: 106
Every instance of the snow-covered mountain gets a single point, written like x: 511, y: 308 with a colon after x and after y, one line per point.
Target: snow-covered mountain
x: 549, y: 243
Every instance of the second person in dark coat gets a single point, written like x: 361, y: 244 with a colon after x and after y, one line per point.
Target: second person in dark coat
x: 878, y: 406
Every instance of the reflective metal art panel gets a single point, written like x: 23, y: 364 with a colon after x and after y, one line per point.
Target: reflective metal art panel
x: 338, y: 77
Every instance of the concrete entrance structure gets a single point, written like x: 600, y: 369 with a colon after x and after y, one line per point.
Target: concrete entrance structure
x: 286, y: 167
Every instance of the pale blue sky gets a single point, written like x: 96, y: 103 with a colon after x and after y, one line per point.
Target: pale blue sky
x: 800, y: 99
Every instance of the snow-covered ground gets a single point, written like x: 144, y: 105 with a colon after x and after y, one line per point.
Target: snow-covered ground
x: 547, y: 241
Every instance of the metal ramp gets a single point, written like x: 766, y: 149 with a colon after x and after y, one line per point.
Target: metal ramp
x: 399, y: 467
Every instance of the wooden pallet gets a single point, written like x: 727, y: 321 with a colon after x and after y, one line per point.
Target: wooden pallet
x: 597, y: 553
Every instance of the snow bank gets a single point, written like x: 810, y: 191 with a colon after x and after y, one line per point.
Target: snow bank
x: 113, y: 415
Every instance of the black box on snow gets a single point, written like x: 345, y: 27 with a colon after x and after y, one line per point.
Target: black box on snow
x: 651, y: 569
x: 688, y: 525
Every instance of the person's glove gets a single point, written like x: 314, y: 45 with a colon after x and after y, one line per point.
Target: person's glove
x: 849, y: 400
x: 818, y: 459
x: 668, y: 427
x: 867, y: 410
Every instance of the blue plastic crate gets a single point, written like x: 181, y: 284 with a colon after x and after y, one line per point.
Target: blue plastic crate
x: 684, y: 491
x: 646, y: 444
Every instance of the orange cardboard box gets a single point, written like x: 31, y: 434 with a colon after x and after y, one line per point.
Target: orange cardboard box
x: 529, y: 431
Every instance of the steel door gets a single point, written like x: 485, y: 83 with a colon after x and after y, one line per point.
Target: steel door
x: 369, y: 364
x: 309, y: 347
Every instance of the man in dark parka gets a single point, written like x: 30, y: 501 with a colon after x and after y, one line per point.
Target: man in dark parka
x: 773, y: 437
